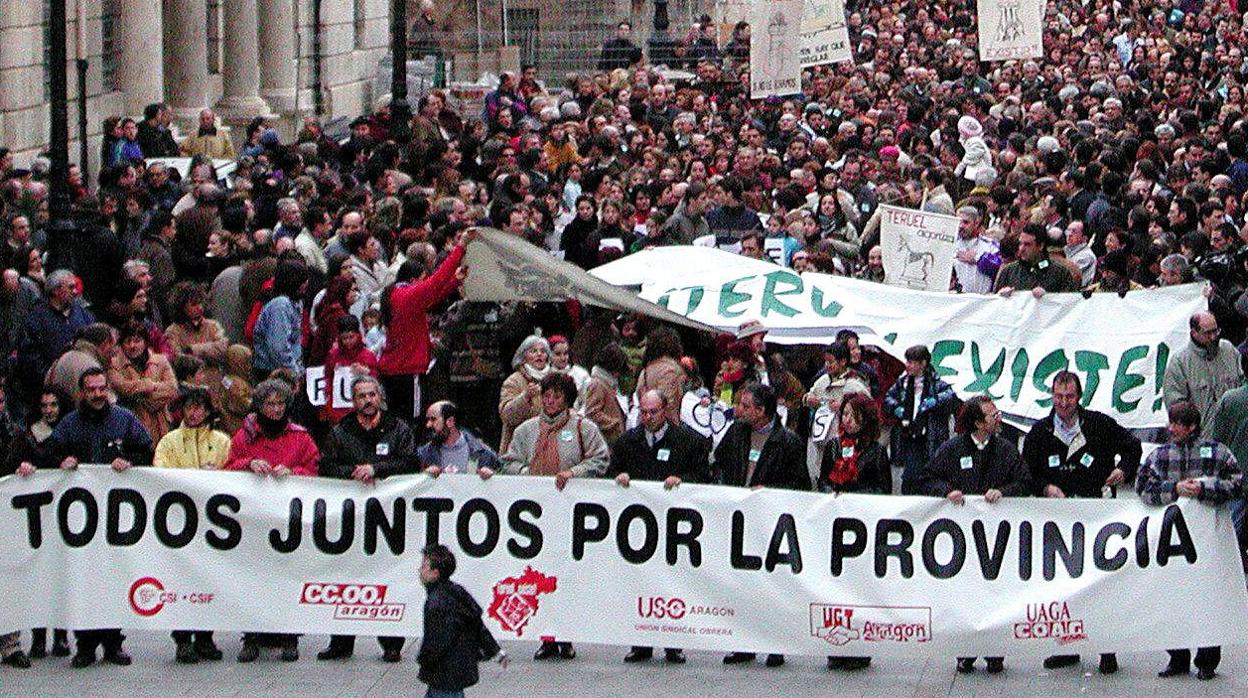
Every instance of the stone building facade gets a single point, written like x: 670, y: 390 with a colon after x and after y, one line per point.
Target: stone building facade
x: 241, y: 57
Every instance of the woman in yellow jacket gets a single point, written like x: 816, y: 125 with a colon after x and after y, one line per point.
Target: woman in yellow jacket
x: 194, y: 445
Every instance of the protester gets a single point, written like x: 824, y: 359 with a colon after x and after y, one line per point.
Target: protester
x: 455, y: 638
x: 452, y: 447
x: 1204, y: 370
x: 369, y: 444
x: 921, y: 403
x: 521, y: 395
x: 1205, y: 470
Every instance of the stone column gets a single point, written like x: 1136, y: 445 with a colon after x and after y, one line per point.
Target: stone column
x: 277, y: 54
x: 142, y: 54
x: 240, y: 79
x: 186, y: 70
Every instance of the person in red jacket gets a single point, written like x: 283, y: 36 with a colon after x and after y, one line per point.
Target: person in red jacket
x: 269, y: 444
x: 404, y: 311
x: 348, y: 352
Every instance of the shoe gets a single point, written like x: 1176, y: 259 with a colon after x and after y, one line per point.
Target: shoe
x: 391, y: 656
x: 996, y: 665
x: 38, y: 643
x: 334, y: 652
x: 966, y: 665
x: 739, y: 657
x: 775, y: 660
x: 39, y: 651
x: 60, y: 644
x: 638, y: 654
x: 566, y: 651
x: 548, y: 650
x: 1202, y: 674
x: 290, y: 651
x: 1109, y: 664
x: 1173, y: 670
x: 83, y: 660
x: 208, y: 651
x: 186, y: 654
x: 835, y: 663
x: 674, y: 656
x: 118, y: 657
x: 17, y: 660
x: 856, y: 663
x: 1058, y: 661
x: 249, y: 653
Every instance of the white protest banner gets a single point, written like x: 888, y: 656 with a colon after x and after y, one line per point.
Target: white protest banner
x: 1010, y: 29
x: 700, y: 567
x: 825, y: 38
x: 775, y: 48
x: 1008, y: 348
x: 710, y: 420
x: 918, y: 248
x: 315, y: 380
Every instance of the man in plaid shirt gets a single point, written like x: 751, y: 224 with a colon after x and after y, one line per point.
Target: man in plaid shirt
x: 1189, y: 466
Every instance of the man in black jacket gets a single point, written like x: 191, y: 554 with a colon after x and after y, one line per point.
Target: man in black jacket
x: 455, y: 639
x: 620, y: 52
x: 977, y: 461
x: 658, y: 451
x: 757, y: 451
x: 368, y: 443
x: 1075, y: 452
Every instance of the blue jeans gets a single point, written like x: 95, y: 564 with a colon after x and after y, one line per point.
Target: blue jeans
x: 435, y: 693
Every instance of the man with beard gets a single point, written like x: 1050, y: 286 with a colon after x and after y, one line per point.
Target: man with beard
x: 1205, y: 369
x: 1075, y: 452
x: 368, y: 444
x: 452, y: 448
x: 98, y: 432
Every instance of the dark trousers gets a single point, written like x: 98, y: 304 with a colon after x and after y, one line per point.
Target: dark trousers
x: 348, y: 641
x: 401, y: 397
x: 271, y: 639
x: 89, y: 640
x: 650, y: 650
x: 199, y: 637
x: 1206, y: 657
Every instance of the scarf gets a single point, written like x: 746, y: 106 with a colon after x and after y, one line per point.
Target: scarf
x: 546, y: 454
x: 534, y: 374
x: 845, y: 468
x: 271, y: 428
x: 210, y: 131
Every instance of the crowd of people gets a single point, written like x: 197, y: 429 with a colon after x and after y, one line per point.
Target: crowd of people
x: 174, y: 324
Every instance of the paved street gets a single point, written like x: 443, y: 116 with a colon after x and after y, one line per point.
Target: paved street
x: 598, y: 671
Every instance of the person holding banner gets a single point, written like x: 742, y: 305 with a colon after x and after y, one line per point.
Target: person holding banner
x: 269, y: 444
x: 1076, y: 452
x: 1202, y: 469
x: 368, y: 444
x: 98, y: 432
x: 758, y: 451
x: 453, y: 448
x: 195, y: 444
x: 977, y: 461
x: 825, y: 397
x: 561, y: 444
x: 922, y: 403
x: 1033, y: 270
x: 659, y: 451
x: 978, y: 258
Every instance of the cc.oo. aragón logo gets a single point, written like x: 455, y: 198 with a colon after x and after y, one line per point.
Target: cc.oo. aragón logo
x: 352, y: 601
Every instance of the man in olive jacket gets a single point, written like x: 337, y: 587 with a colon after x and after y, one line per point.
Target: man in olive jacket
x: 368, y: 443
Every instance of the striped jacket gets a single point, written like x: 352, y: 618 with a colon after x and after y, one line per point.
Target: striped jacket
x: 1208, y: 461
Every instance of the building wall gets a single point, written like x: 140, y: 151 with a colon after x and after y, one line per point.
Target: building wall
x: 355, y: 35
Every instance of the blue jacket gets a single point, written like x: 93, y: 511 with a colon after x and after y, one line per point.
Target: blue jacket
x: 431, y: 453
x: 278, y: 336
x: 48, y: 334
x: 118, y: 434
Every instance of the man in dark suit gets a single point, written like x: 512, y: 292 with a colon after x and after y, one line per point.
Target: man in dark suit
x: 758, y: 451
x: 658, y: 450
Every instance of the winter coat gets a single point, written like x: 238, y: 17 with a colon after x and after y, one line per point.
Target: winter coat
x: 681, y: 452
x: 390, y: 447
x: 781, y: 461
x: 582, y: 450
x: 147, y: 390
x: 99, y: 438
x: 454, y: 640
x: 602, y: 407
x: 197, y: 448
x: 959, y: 465
x: 292, y: 448
x: 1080, y: 470
x: 407, y: 338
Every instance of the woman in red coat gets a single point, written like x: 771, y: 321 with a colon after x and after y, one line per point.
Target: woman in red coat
x: 349, y: 351
x: 269, y: 444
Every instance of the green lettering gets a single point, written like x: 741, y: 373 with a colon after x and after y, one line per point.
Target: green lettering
x: 729, y: 297
x: 771, y: 298
x: 1054, y: 362
x: 1163, y: 357
x: 832, y: 309
x: 696, y: 293
x: 1018, y: 369
x: 1125, y: 381
x: 943, y: 349
x: 984, y: 380
x: 1091, y: 363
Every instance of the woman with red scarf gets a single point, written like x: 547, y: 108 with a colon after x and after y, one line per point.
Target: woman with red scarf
x: 856, y: 462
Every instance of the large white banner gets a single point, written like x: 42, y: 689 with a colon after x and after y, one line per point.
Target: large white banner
x: 702, y: 567
x: 918, y: 248
x: 1010, y: 29
x: 775, y: 48
x: 1007, y: 348
x: 825, y: 38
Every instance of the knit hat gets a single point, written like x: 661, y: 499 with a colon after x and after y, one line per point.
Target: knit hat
x: 969, y: 127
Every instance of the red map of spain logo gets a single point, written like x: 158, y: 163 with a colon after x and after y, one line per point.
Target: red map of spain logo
x: 515, y: 599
